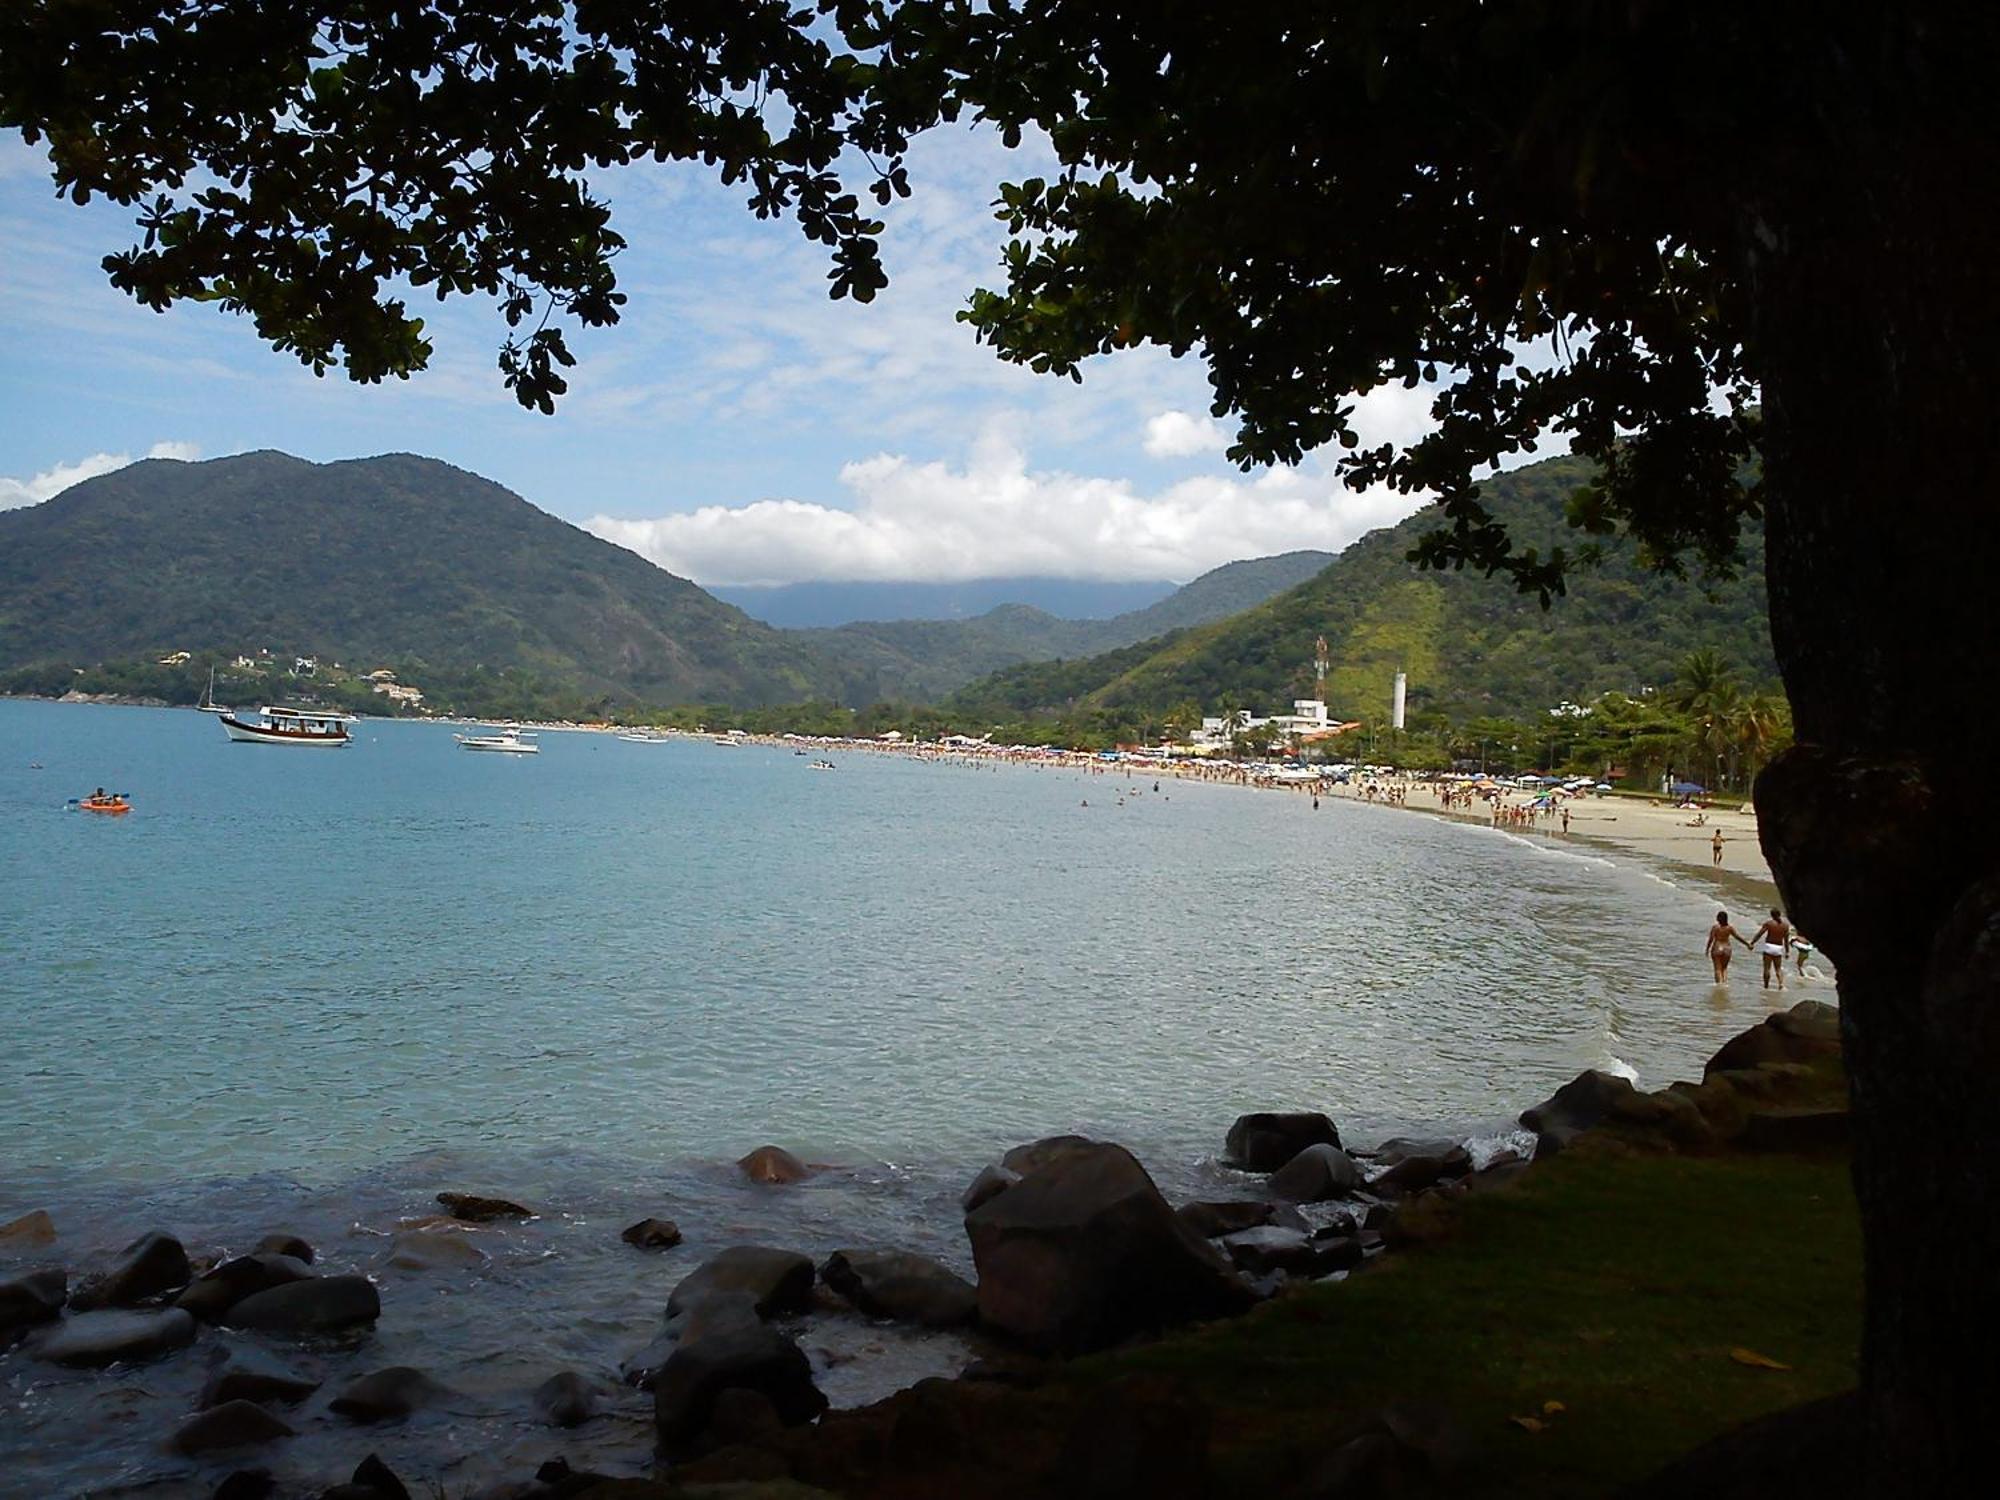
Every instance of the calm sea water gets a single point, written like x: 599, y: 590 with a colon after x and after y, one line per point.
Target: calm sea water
x: 310, y: 989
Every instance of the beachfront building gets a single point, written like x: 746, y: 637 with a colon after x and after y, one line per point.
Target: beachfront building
x: 397, y: 692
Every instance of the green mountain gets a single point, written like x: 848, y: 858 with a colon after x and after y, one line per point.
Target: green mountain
x: 1470, y: 644
x: 924, y: 660
x: 393, y: 559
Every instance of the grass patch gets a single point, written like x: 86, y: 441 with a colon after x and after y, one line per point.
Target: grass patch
x: 1618, y: 1286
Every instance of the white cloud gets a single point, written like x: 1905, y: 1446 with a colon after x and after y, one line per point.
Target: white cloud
x: 39, y: 487
x: 995, y: 516
x: 1176, y: 434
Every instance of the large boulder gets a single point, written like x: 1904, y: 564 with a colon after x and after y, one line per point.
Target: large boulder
x: 32, y: 1231
x: 778, y: 1283
x: 1416, y: 1171
x: 322, y: 1304
x: 727, y: 1347
x: 1806, y: 1033
x: 213, y: 1294
x: 1212, y: 1220
x: 248, y: 1374
x: 1084, y: 1252
x: 233, y: 1424
x: 91, y: 1340
x: 1268, y: 1248
x: 36, y: 1297
x: 475, y: 1208
x: 387, y: 1394
x: 774, y: 1166
x: 1593, y: 1099
x: 992, y: 1181
x: 1316, y: 1174
x: 1265, y: 1141
x: 1049, y: 1150
x: 899, y: 1285
x: 151, y: 1265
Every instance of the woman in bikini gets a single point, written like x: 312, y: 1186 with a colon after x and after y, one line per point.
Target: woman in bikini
x: 1720, y: 936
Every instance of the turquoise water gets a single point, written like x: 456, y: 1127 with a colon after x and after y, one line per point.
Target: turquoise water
x: 316, y: 987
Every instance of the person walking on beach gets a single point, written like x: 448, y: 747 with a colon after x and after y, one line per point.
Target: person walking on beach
x: 1770, y: 942
x: 1720, y: 936
x: 1716, y: 844
x: 1565, y: 822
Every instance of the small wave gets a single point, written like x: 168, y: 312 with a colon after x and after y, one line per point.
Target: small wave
x: 1618, y: 1067
x: 1542, y: 847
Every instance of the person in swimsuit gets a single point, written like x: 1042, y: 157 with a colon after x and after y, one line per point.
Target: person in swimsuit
x: 1770, y: 942
x: 1801, y: 951
x: 1720, y: 936
x: 1716, y: 845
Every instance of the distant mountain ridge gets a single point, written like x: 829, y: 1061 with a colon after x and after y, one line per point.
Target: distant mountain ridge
x: 407, y: 559
x: 829, y: 603
x: 1471, y: 645
x: 923, y: 660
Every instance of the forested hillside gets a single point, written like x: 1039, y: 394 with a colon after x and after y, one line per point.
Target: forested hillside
x: 1470, y: 645
x: 398, y: 558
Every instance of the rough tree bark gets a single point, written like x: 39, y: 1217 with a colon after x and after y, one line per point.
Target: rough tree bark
x: 1872, y: 251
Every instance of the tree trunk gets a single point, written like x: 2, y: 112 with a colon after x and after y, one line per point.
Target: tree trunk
x: 1871, y: 250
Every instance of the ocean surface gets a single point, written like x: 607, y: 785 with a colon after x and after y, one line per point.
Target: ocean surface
x: 308, y: 990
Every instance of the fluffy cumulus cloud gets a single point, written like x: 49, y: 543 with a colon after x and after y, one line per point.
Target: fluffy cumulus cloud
x: 39, y: 487
x: 1176, y: 434
x: 996, y: 516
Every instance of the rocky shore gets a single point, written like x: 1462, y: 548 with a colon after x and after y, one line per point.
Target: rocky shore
x: 1075, y: 1250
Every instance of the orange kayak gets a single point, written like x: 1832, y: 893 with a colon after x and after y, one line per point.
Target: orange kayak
x: 106, y: 805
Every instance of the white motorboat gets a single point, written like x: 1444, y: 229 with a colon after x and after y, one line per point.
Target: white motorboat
x: 511, y: 740
x: 641, y: 737
x: 288, y: 726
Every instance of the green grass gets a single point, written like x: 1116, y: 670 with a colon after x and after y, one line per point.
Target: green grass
x: 1617, y: 1286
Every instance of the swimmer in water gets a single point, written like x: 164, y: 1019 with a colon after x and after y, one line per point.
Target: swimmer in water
x: 1720, y: 936
x: 1770, y: 941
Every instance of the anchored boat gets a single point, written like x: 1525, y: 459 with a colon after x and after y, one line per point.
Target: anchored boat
x: 289, y: 726
x: 509, y: 741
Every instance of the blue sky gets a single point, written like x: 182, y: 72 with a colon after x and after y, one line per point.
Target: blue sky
x: 736, y: 427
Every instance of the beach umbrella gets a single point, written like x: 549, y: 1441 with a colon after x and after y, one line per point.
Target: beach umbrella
x: 1687, y: 788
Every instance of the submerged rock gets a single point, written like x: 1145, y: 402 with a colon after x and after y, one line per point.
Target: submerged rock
x: 474, y: 1209
x: 1084, y: 1252
x: 1265, y: 1141
x: 727, y: 1347
x: 899, y: 1285
x: 774, y: 1165
x: 245, y: 1373
x: 373, y: 1480
x: 643, y: 1368
x: 434, y: 1250
x: 1317, y: 1173
x: 567, y: 1399
x: 1268, y: 1248
x: 32, y: 1231
x: 653, y: 1234
x: 25, y: 1301
x: 778, y: 1282
x: 152, y: 1264
x: 322, y: 1304
x: 287, y: 1244
x: 386, y: 1394
x: 94, y: 1339
x: 233, y: 1424
x: 212, y: 1295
